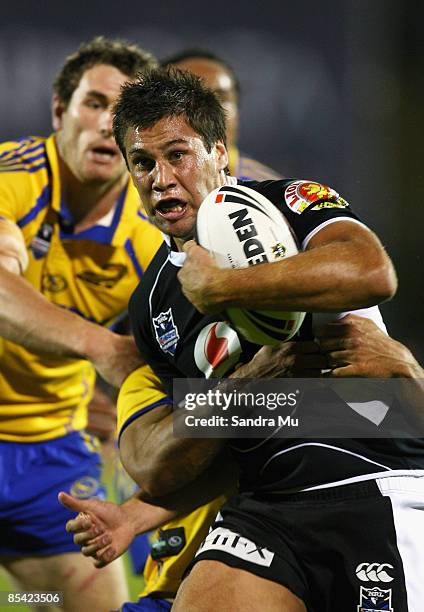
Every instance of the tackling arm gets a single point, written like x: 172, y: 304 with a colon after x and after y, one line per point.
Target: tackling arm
x: 29, y: 319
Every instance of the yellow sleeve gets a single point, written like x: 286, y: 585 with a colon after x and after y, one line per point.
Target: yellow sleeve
x: 16, y: 190
x: 146, y: 243
x: 141, y: 391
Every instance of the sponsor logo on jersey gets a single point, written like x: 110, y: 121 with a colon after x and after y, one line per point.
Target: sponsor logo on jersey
x: 54, y: 283
x: 339, y: 203
x: 169, y: 543
x: 375, y: 600
x: 166, y: 332
x: 85, y: 487
x: 234, y: 544
x: 374, y: 572
x: 111, y: 275
x: 40, y: 244
x: 217, y: 349
x: 300, y: 195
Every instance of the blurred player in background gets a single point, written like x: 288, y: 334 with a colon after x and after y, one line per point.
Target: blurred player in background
x: 217, y: 74
x: 73, y: 245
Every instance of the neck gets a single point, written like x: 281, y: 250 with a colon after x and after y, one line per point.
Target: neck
x: 88, y: 202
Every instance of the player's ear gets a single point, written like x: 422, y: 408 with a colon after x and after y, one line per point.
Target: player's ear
x: 58, y: 108
x: 221, y: 155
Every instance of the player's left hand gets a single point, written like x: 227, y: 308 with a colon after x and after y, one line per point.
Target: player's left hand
x: 301, y: 359
x: 101, y: 416
x: 101, y: 528
x: 201, y: 280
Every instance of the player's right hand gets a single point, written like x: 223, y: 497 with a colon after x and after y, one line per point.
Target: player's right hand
x: 101, y: 529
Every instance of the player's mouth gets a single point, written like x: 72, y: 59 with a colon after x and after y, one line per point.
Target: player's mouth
x: 171, y: 209
x: 104, y: 154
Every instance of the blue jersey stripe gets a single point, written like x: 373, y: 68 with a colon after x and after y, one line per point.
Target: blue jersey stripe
x: 19, y: 151
x: 137, y: 414
x: 41, y: 202
x: 23, y: 160
x: 25, y: 168
x: 130, y: 250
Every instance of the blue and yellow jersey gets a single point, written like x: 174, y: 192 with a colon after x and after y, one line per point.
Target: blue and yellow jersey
x: 246, y: 168
x: 140, y: 392
x: 92, y: 273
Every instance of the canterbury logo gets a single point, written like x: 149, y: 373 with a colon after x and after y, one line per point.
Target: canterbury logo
x: 374, y: 572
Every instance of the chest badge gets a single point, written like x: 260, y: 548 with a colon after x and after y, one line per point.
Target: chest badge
x: 166, y: 332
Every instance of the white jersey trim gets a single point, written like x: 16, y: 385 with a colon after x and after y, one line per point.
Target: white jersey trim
x: 328, y: 446
x: 315, y: 231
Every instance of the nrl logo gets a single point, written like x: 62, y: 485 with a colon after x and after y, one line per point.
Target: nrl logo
x: 166, y: 332
x: 375, y: 600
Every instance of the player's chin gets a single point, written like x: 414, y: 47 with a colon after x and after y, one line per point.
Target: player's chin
x: 103, y: 173
x: 181, y: 230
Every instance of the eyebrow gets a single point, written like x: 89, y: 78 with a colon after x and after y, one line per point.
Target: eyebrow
x: 97, y: 94
x: 136, y: 149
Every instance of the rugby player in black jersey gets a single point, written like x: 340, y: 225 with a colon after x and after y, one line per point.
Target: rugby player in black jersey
x: 332, y: 546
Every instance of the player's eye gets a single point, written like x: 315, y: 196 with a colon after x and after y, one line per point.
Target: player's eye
x: 176, y: 155
x: 143, y: 163
x: 94, y: 104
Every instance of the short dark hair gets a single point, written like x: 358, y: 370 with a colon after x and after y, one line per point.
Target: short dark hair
x: 126, y: 57
x: 168, y: 92
x: 199, y: 53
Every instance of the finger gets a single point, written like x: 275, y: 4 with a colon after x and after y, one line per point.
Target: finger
x: 332, y: 330
x: 189, y: 245
x: 307, y: 346
x: 339, y: 358
x: 345, y: 372
x: 335, y: 344
x: 83, y: 538
x: 96, y: 545
x: 315, y: 361
x: 79, y: 525
x: 72, y: 503
x: 105, y: 556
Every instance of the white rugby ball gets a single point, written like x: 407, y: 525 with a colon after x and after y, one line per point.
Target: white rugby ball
x: 240, y: 227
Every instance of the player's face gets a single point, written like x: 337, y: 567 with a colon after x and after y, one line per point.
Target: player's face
x: 84, y: 127
x: 173, y: 172
x: 217, y: 78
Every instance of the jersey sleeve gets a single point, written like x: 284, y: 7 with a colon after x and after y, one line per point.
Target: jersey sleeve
x: 16, y: 184
x: 147, y: 241
x: 307, y: 205
x: 141, y: 392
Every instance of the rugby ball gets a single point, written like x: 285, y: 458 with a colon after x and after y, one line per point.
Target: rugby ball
x: 240, y: 227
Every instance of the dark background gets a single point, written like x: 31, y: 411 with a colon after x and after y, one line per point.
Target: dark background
x: 331, y: 90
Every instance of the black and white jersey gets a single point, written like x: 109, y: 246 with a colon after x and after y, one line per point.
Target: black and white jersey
x: 179, y: 342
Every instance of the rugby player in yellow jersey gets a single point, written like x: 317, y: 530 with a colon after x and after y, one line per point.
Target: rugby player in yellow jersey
x: 73, y: 246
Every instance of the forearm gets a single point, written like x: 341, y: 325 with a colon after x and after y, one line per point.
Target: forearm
x: 331, y: 278
x: 161, y: 463
x: 29, y: 319
x: 147, y: 513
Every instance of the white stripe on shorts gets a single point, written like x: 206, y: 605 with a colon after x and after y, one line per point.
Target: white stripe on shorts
x: 406, y: 494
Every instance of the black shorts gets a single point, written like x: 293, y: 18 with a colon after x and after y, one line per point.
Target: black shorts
x: 352, y: 548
